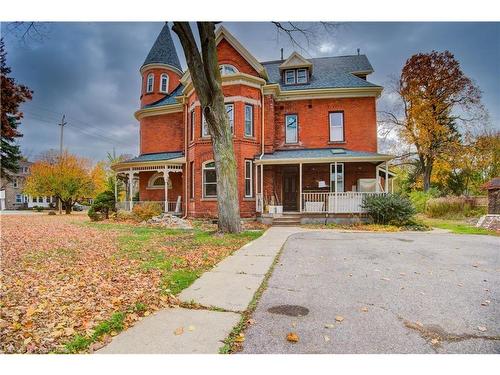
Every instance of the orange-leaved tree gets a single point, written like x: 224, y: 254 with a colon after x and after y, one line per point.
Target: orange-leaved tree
x: 67, y: 177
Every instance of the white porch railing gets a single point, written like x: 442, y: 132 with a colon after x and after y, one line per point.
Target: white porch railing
x: 171, y: 206
x: 325, y: 202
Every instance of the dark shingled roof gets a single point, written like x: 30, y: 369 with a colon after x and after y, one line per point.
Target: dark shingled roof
x: 319, y: 153
x: 493, y: 184
x: 163, y: 50
x: 161, y: 156
x: 327, y: 72
x: 167, y: 99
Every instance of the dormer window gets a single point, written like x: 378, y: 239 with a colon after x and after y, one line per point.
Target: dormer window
x: 293, y: 76
x: 226, y: 69
x: 149, y: 83
x: 301, y: 75
x: 164, y: 83
x: 290, y: 77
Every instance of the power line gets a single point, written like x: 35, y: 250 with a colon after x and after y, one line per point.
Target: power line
x: 102, y: 138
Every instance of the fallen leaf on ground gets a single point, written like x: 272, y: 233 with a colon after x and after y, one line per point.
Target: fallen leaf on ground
x: 329, y: 325
x: 481, y: 328
x: 386, y: 279
x: 292, y: 337
x: 251, y: 321
x: 240, y: 337
x: 485, y: 303
x: 339, y: 318
x: 326, y: 338
x: 191, y: 328
x: 364, y: 309
x: 434, y: 341
x: 179, y: 331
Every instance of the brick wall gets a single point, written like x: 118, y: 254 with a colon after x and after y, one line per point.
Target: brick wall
x: 162, y: 133
x: 155, y: 95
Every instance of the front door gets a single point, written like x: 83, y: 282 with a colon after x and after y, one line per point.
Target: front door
x: 290, y: 189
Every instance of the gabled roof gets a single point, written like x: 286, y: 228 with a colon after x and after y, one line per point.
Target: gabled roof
x: 223, y: 33
x: 163, y: 50
x: 296, y: 61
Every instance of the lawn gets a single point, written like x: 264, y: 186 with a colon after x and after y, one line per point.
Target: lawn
x: 68, y: 285
x: 457, y: 226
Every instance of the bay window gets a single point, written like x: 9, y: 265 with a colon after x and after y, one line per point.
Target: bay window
x: 248, y: 120
x: 230, y: 116
x: 248, y: 178
x: 209, y: 180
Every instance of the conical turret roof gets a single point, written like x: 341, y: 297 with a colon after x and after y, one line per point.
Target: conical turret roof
x: 163, y: 50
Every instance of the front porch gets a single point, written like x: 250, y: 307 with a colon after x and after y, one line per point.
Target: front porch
x: 152, y: 178
x: 331, y: 185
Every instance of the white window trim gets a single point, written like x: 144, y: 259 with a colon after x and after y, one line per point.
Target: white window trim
x: 249, y: 178
x: 150, y: 83
x: 296, y: 128
x: 251, y: 121
x: 204, y: 126
x: 306, y: 75
x: 336, y: 126
x: 164, y: 76
x: 223, y: 67
x: 192, y: 176
x: 153, y: 178
x: 193, y: 123
x: 203, y: 169
x: 20, y: 200
x: 332, y: 180
x: 231, y: 119
x: 294, y: 77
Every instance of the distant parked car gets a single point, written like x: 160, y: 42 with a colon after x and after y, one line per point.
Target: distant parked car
x: 78, y: 207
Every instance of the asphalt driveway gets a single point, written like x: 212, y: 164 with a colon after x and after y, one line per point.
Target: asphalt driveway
x: 381, y: 293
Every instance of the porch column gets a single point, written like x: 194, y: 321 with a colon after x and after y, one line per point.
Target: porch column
x: 335, y: 181
x: 130, y: 189
x: 262, y: 184
x: 386, y: 180
x: 300, y: 187
x: 166, y: 172
x: 116, y: 188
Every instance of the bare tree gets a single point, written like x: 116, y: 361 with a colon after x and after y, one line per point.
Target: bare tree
x: 205, y: 75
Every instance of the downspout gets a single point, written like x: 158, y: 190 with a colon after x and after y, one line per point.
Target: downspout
x: 262, y: 149
x: 186, y: 165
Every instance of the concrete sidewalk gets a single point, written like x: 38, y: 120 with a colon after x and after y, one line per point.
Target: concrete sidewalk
x: 230, y: 286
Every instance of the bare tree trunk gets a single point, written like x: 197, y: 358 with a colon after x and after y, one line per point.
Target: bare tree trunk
x: 67, y: 207
x: 205, y: 75
x: 427, y: 172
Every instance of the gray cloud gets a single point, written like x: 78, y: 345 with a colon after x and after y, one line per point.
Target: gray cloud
x: 89, y: 71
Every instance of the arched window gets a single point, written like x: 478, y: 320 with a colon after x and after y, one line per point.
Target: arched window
x: 150, y: 82
x: 226, y: 69
x: 158, y: 182
x: 164, y: 83
x: 209, y: 180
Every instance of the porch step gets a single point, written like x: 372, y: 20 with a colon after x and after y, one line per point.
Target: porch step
x: 286, y: 220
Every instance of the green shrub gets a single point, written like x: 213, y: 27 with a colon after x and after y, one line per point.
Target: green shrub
x: 147, y: 210
x: 93, y: 215
x: 38, y: 208
x: 453, y: 207
x: 103, y: 204
x: 391, y: 209
x: 123, y: 215
x: 420, y: 198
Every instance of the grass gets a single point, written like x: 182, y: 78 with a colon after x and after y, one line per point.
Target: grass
x: 111, y: 326
x: 457, y: 226
x: 148, y: 245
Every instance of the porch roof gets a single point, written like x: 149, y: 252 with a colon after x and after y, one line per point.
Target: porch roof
x: 159, y: 158
x: 317, y: 155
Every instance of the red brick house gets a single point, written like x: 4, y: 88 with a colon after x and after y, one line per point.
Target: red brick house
x: 295, y: 122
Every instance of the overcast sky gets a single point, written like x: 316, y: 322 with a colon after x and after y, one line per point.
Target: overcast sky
x: 89, y: 71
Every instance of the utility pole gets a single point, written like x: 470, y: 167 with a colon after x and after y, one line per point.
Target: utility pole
x: 61, y: 124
